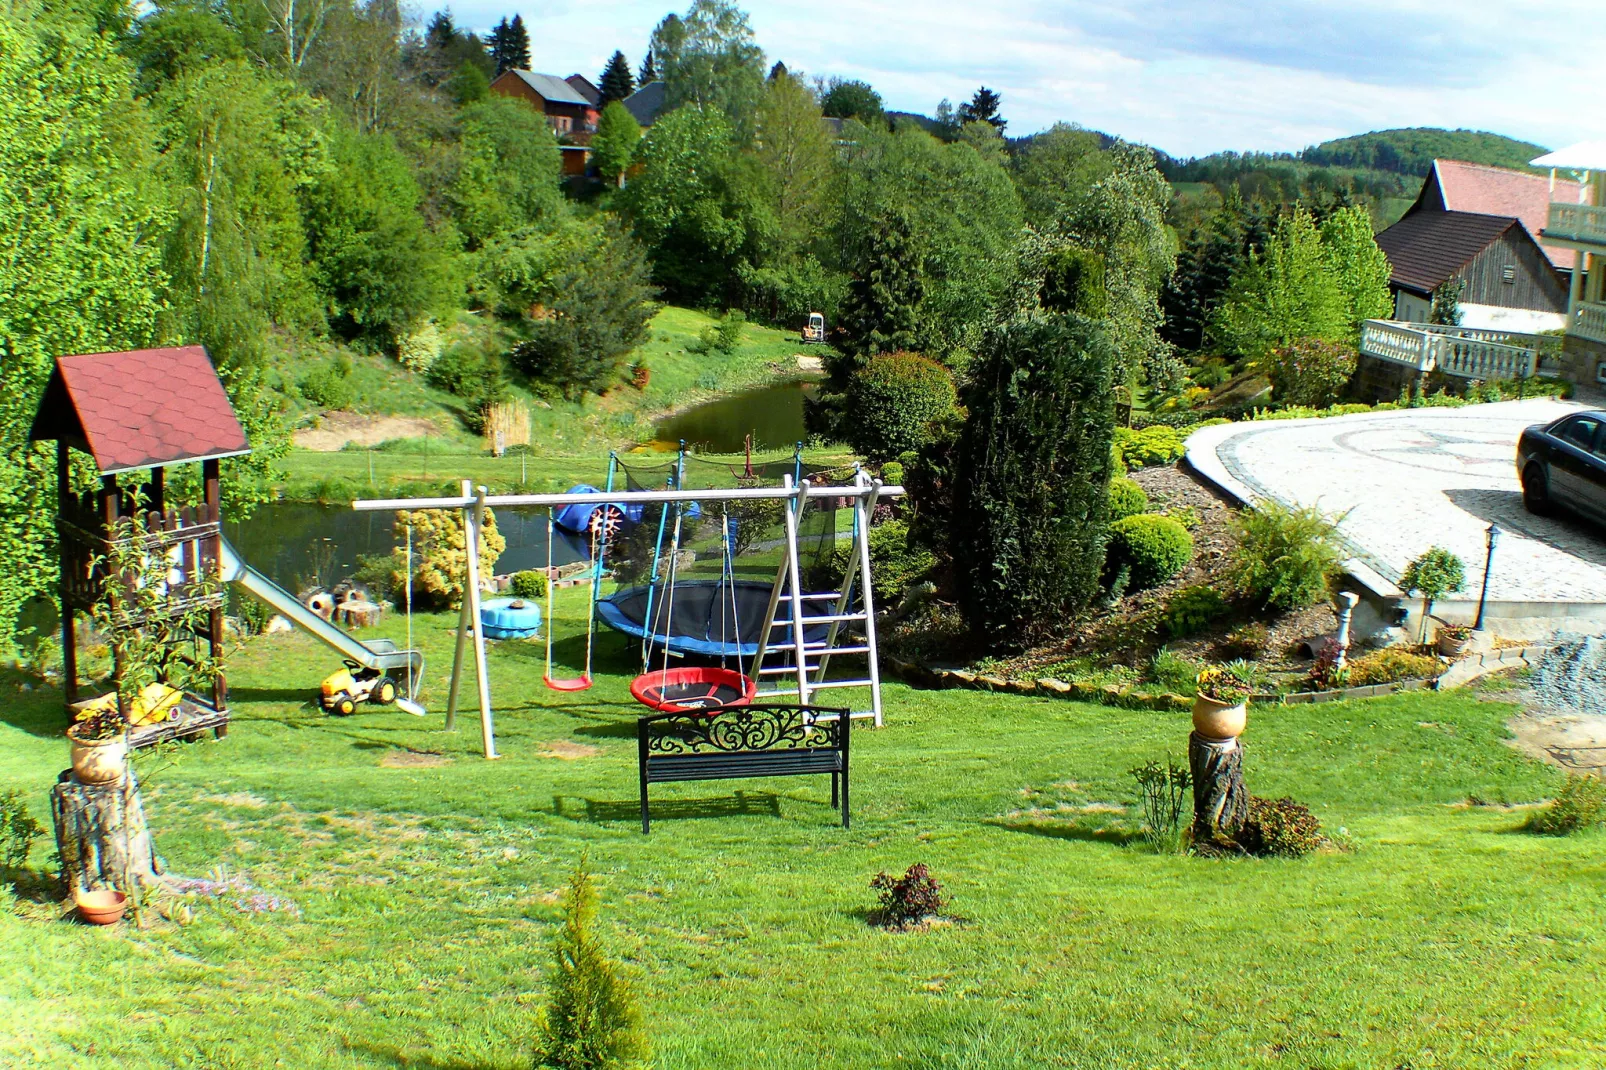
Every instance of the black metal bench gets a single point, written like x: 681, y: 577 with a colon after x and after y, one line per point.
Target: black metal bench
x: 745, y: 741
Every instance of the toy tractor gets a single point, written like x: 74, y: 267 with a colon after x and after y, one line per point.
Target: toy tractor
x: 342, y: 690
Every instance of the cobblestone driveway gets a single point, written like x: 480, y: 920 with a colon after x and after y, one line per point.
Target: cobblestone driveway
x: 1412, y: 478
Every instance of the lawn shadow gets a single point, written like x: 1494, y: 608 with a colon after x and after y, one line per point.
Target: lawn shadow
x: 390, y: 1054
x: 300, y: 696
x: 1565, y: 531
x: 599, y: 811
x: 1076, y: 828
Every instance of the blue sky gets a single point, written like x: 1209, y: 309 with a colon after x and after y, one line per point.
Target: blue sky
x: 1186, y: 76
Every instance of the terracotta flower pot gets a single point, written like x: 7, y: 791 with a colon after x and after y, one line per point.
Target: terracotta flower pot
x: 1219, y: 720
x: 104, y: 907
x: 1452, y: 647
x: 100, y: 761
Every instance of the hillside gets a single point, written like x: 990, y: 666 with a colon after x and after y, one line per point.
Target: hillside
x: 1412, y: 150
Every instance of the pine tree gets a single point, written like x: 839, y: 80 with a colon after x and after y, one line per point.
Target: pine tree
x: 616, y: 82
x: 591, y: 1020
x: 777, y: 72
x: 1204, y: 270
x: 983, y: 108
x: 648, y: 72
x: 518, y: 44
x: 880, y: 311
x: 501, y: 47
x: 441, y: 32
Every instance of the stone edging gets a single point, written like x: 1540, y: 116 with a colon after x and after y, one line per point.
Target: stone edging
x: 1472, y: 666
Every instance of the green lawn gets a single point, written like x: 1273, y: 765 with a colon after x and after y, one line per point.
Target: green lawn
x: 1446, y: 938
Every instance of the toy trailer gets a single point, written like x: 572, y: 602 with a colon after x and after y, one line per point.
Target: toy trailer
x: 814, y: 330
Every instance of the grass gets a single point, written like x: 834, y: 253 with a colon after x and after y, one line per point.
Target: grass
x: 1447, y: 938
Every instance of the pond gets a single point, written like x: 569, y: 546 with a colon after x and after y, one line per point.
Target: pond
x: 299, y: 545
x: 772, y: 414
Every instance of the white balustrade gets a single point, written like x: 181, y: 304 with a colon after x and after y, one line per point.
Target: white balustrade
x: 1589, y: 321
x: 1577, y: 222
x: 1464, y: 353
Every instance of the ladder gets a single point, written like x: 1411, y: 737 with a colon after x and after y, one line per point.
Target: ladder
x: 807, y: 662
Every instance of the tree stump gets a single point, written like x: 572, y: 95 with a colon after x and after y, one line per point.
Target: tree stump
x: 101, y: 835
x: 359, y: 614
x: 1220, y: 799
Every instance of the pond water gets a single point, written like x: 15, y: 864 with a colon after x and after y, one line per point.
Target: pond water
x: 299, y: 545
x: 772, y: 414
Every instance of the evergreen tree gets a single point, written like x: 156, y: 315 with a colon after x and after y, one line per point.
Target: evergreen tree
x: 777, y: 72
x: 1446, y: 310
x: 879, y: 313
x: 510, y: 45
x: 648, y: 72
x: 983, y: 108
x: 616, y: 82
x: 442, y: 31
x: 1204, y: 270
x: 1031, y: 469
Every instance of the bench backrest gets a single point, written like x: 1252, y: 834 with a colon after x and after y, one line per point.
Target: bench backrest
x: 762, y: 740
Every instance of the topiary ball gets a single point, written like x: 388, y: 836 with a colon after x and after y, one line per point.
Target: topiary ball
x: 1155, y: 548
x: 1126, y: 498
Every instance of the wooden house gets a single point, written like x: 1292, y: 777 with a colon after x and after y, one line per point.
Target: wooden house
x: 572, y: 115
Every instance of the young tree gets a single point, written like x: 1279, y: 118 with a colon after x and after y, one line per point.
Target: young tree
x: 983, y: 108
x: 880, y: 311
x: 1446, y: 310
x: 1287, y: 292
x: 1031, y: 471
x: 1360, y: 268
x: 852, y: 99
x: 616, y: 82
x: 797, y: 157
x: 945, y: 124
x: 614, y: 143
x: 709, y: 58
x: 508, y: 170
x: 649, y: 69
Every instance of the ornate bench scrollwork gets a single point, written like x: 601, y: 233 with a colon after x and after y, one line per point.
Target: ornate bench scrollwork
x: 745, y: 741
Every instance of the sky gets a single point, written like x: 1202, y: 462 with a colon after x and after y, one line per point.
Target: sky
x: 1186, y: 76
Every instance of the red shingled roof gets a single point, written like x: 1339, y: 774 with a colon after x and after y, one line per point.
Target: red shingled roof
x: 1471, y: 187
x: 140, y: 409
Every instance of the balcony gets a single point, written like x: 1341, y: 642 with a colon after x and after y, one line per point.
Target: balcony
x: 1584, y: 224
x: 1589, y: 321
x: 1451, y: 350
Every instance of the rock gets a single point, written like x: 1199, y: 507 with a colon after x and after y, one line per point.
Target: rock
x: 1058, y: 687
x: 992, y: 683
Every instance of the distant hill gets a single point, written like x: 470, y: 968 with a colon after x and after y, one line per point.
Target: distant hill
x: 1411, y: 151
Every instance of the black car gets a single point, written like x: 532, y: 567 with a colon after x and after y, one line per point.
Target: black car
x: 1563, y: 463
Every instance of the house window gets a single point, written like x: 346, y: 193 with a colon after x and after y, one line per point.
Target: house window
x: 1508, y: 274
x: 561, y: 123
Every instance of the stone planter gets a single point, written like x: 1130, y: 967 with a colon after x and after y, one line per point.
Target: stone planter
x: 1451, y: 646
x: 1219, y: 720
x: 100, y: 761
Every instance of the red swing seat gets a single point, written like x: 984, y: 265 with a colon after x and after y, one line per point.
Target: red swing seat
x: 693, y: 689
x: 578, y: 683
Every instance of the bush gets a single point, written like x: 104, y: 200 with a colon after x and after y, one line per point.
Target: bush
x: 1390, y: 664
x: 1311, y: 371
x: 1030, y: 477
x: 909, y: 899
x: 1162, y: 791
x: 591, y: 1021
x: 1127, y: 498
x: 440, y: 557
x: 531, y: 583
x: 1247, y: 642
x: 721, y: 336
x: 383, y: 574
x: 894, y: 564
x: 1280, y: 828
x: 1285, y: 555
x: 1580, y: 804
x: 1190, y: 610
x: 895, y: 402
x: 1150, y: 446
x: 18, y: 830
x: 1155, y: 548
x: 475, y: 376
x: 420, y: 349
x: 1172, y: 672
x: 892, y: 473
x: 329, y: 387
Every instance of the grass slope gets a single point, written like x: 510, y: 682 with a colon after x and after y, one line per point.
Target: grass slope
x: 427, y: 893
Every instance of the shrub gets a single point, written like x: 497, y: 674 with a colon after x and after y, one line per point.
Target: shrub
x: 473, y: 375
x: 418, y: 350
x: 1285, y: 555
x: 1580, y: 803
x: 383, y: 574
x: 1190, y: 610
x: 892, y: 473
x: 1030, y: 477
x: 1280, y: 828
x: 1150, y: 446
x: 1247, y: 642
x: 439, y: 554
x: 1390, y: 664
x: 895, y: 402
x: 894, y: 563
x: 721, y: 336
x: 329, y: 387
x: 531, y: 584
x: 1325, y: 672
x: 1155, y: 548
x: 591, y: 1021
x: 1311, y: 371
x: 1435, y: 574
x: 1127, y: 498
x: 1173, y: 672
x: 1162, y: 790
x: 18, y: 830
x: 909, y: 899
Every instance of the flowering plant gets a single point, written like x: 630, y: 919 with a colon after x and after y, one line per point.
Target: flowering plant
x: 1225, y: 683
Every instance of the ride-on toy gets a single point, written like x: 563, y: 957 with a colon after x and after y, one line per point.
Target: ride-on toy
x: 342, y: 690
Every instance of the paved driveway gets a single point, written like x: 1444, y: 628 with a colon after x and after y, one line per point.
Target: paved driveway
x: 1411, y: 478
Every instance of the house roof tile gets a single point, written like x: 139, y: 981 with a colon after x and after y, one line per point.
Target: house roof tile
x: 552, y: 88
x: 140, y: 409
x: 645, y: 103
x: 1499, y: 191
x: 1426, y: 248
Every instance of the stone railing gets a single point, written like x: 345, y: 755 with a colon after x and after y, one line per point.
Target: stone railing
x: 1577, y: 222
x: 1398, y: 343
x: 1464, y: 353
x: 1589, y: 321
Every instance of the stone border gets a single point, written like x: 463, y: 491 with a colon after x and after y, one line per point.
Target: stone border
x: 1472, y: 666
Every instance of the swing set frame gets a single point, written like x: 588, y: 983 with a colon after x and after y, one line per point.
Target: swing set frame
x: 473, y: 501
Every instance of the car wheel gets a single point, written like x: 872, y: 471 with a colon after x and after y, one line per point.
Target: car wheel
x: 1535, y: 490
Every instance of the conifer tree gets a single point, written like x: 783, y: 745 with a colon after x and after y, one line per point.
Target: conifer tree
x: 1209, y: 259
x: 616, y: 82
x: 648, y: 72
x: 591, y: 1020
x: 879, y: 313
x: 983, y: 108
x: 510, y: 45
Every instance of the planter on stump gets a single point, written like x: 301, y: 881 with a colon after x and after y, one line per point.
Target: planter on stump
x: 98, y: 761
x: 1215, y: 760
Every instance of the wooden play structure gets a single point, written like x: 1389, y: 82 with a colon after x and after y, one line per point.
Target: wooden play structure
x: 130, y: 412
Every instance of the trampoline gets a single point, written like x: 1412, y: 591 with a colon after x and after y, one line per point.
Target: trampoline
x: 700, y: 620
x: 690, y: 688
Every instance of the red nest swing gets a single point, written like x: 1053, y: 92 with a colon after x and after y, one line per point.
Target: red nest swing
x: 693, y: 688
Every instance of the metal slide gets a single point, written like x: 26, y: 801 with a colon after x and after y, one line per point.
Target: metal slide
x: 379, y: 654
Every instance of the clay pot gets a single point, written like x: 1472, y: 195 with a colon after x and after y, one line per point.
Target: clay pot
x: 103, y: 907
x: 100, y: 761
x: 1219, y: 720
x: 1451, y: 647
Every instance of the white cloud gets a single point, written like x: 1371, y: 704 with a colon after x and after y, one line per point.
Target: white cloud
x: 1186, y: 76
